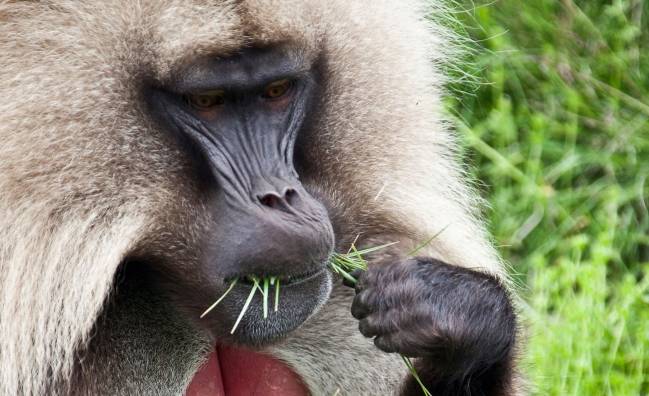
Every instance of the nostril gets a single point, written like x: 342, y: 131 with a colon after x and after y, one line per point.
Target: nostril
x: 290, y: 195
x: 270, y: 200
x: 274, y: 201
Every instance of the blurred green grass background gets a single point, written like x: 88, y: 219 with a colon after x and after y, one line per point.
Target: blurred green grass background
x: 556, y: 129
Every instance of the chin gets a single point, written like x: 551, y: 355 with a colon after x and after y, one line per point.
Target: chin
x: 298, y: 300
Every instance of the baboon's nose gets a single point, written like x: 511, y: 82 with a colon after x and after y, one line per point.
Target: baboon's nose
x: 279, y: 201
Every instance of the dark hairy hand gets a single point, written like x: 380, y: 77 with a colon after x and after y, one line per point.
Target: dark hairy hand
x: 458, y: 323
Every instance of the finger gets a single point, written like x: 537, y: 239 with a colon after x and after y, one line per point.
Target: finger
x: 386, y: 343
x: 362, y: 304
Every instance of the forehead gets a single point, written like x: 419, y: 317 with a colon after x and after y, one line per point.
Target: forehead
x: 157, y: 37
x: 216, y: 30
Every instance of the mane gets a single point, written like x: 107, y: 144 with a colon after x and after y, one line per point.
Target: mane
x: 60, y: 246
x: 55, y: 275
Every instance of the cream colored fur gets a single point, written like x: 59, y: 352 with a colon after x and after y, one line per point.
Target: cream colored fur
x: 86, y: 180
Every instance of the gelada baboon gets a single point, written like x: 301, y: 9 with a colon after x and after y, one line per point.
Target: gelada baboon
x: 153, y: 150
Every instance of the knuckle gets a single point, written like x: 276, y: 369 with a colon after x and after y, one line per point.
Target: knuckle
x: 366, y: 328
x: 360, y: 307
x: 385, y: 343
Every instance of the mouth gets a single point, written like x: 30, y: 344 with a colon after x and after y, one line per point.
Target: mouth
x: 285, y: 280
x: 253, y: 312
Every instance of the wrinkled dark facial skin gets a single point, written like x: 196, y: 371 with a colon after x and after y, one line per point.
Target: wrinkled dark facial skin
x: 241, y: 116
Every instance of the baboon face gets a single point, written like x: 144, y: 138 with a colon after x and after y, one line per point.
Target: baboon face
x: 238, y: 118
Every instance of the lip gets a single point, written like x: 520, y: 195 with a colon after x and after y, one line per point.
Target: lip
x: 286, y: 281
x: 298, y: 300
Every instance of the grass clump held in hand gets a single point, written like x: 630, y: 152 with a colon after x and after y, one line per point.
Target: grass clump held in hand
x: 345, y: 264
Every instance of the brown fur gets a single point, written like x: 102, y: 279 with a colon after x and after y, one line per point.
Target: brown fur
x: 86, y: 180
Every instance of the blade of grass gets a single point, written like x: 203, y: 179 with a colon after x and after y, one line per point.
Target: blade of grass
x: 246, y: 305
x: 353, y: 243
x: 337, y: 269
x: 428, y: 241
x: 276, y: 294
x: 413, y: 371
x: 266, y: 284
x: 373, y: 249
x: 349, y: 264
x: 234, y: 282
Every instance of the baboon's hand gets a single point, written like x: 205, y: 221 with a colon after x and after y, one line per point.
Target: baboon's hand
x: 459, y: 322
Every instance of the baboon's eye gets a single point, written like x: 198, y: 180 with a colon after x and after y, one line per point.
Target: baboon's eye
x: 277, y: 89
x: 206, y: 100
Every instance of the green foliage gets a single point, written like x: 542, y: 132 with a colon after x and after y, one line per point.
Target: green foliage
x: 557, y: 132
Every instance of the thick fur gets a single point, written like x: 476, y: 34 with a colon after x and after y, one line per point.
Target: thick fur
x: 88, y: 182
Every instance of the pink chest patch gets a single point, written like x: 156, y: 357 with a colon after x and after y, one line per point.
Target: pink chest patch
x: 233, y: 371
